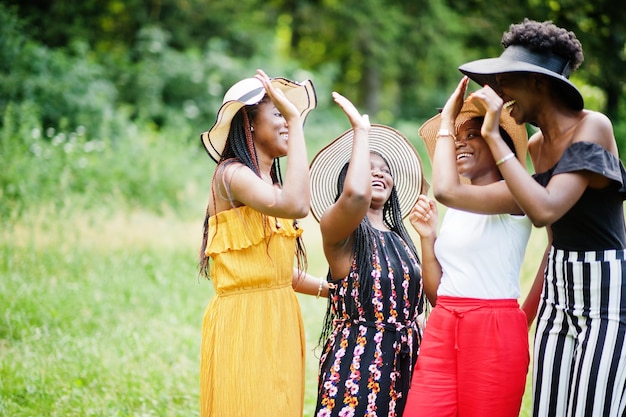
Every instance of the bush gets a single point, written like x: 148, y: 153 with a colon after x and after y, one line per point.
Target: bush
x: 69, y: 87
x: 119, y: 126
x: 64, y: 168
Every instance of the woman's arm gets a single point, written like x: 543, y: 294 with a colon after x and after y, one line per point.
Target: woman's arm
x: 341, y: 219
x: 493, y: 198
x: 543, y: 205
x: 305, y: 283
x: 424, y: 218
x: 531, y: 302
x: 294, y: 198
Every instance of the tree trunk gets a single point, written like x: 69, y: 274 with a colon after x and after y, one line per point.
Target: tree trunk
x: 371, y: 89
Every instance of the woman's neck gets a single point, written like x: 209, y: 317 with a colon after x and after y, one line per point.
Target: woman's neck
x: 375, y: 217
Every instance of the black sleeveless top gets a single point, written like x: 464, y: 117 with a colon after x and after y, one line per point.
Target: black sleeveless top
x: 596, y: 221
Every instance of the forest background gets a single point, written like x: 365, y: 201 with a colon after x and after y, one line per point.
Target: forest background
x: 103, y: 180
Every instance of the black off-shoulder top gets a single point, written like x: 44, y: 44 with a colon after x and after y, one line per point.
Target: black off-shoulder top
x: 596, y: 221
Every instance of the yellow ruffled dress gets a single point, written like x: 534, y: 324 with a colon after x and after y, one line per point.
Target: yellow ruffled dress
x: 252, y: 354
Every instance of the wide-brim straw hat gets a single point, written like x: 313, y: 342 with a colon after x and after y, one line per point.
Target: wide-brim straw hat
x: 428, y: 131
x: 401, y: 156
x: 517, y: 58
x: 250, y: 91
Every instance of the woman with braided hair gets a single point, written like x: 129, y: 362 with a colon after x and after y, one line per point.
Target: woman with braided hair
x: 577, y: 192
x: 252, y: 353
x: 371, y: 334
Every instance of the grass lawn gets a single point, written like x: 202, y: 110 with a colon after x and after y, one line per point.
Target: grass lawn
x: 101, y: 315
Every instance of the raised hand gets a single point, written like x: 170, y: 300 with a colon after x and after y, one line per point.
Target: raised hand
x: 424, y: 217
x: 357, y: 120
x: 453, y: 106
x: 282, y: 103
x: 487, y: 100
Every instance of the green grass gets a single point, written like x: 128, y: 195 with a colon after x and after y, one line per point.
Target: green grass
x: 99, y: 318
x: 101, y: 314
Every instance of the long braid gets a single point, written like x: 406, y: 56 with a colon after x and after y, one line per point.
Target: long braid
x: 204, y: 260
x: 362, y: 249
x: 392, y: 217
x: 302, y: 263
x: 251, y: 149
x: 363, y: 243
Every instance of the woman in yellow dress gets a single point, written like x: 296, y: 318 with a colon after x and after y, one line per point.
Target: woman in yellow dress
x: 252, y: 353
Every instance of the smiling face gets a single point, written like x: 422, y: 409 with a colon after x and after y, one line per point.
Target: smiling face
x: 518, y: 90
x: 474, y: 159
x: 270, y: 131
x: 382, y: 181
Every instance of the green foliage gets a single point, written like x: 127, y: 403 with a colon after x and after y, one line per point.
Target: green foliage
x: 619, y: 130
x: 68, y: 87
x: 60, y: 168
x: 108, y: 103
x: 384, y: 52
x: 10, y: 39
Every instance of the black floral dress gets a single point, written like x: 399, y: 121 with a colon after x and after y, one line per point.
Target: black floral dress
x: 367, y: 361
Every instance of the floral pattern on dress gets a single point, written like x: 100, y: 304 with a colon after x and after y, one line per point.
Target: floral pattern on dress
x: 367, y: 361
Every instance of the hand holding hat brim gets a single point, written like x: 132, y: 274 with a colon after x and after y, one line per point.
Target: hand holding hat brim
x: 280, y: 100
x: 391, y: 144
x: 428, y: 131
x: 518, y: 58
x: 250, y: 91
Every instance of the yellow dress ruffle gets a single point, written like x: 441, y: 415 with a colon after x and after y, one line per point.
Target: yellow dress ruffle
x: 252, y: 354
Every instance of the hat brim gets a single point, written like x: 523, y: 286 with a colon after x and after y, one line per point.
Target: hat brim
x: 428, y: 131
x: 302, y: 95
x: 483, y: 72
x: 404, y: 163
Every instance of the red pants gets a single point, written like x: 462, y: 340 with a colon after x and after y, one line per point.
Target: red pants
x: 472, y: 361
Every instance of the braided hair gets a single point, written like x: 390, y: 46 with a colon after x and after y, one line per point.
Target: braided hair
x: 239, y: 148
x: 362, y: 249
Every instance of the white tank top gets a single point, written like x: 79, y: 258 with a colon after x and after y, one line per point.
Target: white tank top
x: 481, y: 254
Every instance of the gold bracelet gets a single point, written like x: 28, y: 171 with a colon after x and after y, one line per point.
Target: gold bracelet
x: 319, y: 289
x: 505, y: 158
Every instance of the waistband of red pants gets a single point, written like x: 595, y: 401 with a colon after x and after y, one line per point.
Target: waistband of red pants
x: 462, y: 302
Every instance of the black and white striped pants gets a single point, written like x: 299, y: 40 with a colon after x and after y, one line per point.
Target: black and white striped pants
x: 579, y: 359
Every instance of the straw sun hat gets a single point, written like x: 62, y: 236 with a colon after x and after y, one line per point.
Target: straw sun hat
x: 428, y: 131
x: 518, y: 58
x: 392, y: 145
x: 247, y: 92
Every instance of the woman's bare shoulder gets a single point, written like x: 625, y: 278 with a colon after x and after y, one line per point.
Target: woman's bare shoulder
x: 596, y: 127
